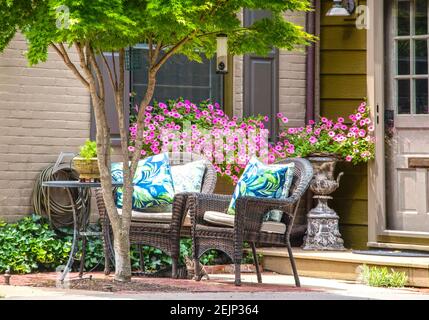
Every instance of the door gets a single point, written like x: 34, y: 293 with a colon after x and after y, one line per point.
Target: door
x: 407, y: 116
x: 398, y: 90
x: 261, y: 85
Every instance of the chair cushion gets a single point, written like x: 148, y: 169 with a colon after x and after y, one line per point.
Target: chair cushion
x: 188, y: 177
x: 155, y: 217
x: 259, y: 180
x: 153, y: 183
x: 227, y: 220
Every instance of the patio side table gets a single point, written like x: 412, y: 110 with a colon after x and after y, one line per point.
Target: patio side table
x: 80, y: 221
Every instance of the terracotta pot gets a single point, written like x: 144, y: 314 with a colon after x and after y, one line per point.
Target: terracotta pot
x: 87, y: 168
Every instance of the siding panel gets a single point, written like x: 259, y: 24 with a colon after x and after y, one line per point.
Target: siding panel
x: 343, y: 87
x: 43, y: 110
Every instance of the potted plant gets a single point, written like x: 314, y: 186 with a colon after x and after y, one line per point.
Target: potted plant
x: 86, y: 162
x: 324, y: 144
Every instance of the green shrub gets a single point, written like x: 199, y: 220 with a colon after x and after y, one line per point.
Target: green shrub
x: 30, y: 245
x: 382, y: 277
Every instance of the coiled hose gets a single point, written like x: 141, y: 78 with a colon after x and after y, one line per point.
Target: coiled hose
x: 54, y: 203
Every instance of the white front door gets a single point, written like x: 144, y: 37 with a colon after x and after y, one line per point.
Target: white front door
x: 407, y: 115
x: 401, y: 98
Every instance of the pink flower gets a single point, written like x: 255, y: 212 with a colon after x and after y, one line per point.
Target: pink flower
x: 266, y: 118
x: 313, y: 140
x: 131, y: 149
x: 279, y: 115
x: 349, y: 158
x: 362, y: 109
x: 285, y: 120
x: 311, y: 122
x: 341, y: 120
x: 331, y: 134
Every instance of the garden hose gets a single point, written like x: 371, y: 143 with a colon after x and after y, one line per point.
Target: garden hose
x: 58, y: 209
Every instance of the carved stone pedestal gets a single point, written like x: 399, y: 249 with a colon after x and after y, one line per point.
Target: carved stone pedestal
x: 323, y: 222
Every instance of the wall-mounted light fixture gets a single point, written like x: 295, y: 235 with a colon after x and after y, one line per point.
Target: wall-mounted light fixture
x: 341, y: 8
x: 222, y: 54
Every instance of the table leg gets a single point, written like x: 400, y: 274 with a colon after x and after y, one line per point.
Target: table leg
x: 82, y: 258
x: 83, y: 228
x: 74, y: 242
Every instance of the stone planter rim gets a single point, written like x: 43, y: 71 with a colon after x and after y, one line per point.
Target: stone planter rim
x: 323, y: 157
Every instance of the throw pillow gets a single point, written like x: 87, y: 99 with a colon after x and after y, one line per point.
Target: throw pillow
x: 188, y: 177
x: 277, y: 215
x: 259, y: 180
x: 153, y: 183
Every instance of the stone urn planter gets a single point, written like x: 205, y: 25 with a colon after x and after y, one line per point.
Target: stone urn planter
x: 322, y: 221
x: 87, y: 168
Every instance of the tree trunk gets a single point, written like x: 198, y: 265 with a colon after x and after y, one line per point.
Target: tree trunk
x: 122, y: 256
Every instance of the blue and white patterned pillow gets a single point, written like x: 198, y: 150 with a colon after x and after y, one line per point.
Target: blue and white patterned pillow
x: 153, y: 183
x: 259, y: 180
x: 277, y: 215
x: 188, y: 177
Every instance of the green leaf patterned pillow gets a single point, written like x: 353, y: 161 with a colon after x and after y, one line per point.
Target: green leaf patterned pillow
x: 153, y: 183
x: 277, y: 215
x: 259, y: 180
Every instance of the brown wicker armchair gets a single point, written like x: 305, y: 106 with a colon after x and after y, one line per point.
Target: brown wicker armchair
x: 213, y: 229
x: 159, y: 230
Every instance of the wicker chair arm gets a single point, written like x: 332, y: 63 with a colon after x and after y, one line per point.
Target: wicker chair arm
x: 250, y: 211
x: 199, y: 203
x: 180, y: 206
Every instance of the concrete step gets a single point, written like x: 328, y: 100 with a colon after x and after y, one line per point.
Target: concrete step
x: 343, y: 265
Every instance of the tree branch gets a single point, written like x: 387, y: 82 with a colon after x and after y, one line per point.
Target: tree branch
x: 109, y: 70
x: 114, y: 68
x: 63, y: 54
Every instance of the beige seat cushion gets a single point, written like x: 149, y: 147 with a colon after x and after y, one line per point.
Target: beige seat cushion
x: 156, y: 217
x: 227, y: 220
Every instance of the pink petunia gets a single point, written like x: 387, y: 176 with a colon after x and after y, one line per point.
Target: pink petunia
x: 313, y: 140
x: 349, y: 158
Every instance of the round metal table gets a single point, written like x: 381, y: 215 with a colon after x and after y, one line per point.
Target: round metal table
x: 80, y: 226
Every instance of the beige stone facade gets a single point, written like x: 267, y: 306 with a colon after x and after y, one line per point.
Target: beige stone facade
x: 43, y: 110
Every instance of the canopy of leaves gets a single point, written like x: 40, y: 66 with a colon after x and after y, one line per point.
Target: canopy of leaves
x: 113, y: 24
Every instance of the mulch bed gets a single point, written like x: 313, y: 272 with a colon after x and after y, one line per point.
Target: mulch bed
x: 110, y: 285
x: 100, y: 282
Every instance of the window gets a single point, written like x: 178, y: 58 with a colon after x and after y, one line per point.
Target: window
x: 409, y: 54
x: 180, y: 77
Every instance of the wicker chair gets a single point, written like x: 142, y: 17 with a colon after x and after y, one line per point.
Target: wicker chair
x: 247, y: 225
x: 150, y: 230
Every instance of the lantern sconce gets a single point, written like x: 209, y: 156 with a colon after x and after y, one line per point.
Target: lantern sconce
x: 341, y: 8
x: 222, y: 54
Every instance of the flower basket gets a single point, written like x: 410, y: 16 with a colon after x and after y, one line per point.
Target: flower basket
x: 87, y: 168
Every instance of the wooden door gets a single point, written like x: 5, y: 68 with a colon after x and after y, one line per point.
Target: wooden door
x: 406, y: 116
x: 261, y: 80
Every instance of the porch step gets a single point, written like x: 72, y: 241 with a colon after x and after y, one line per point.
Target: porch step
x: 343, y: 265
